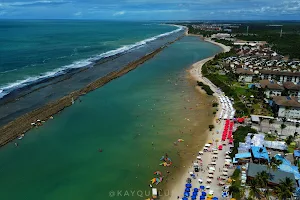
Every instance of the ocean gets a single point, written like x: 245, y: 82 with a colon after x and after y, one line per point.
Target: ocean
x: 37, y: 49
x: 134, y: 119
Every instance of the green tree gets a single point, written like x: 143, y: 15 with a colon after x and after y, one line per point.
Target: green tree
x: 234, y: 189
x: 253, y: 189
x: 285, y: 189
x: 262, y: 179
x: 289, y: 139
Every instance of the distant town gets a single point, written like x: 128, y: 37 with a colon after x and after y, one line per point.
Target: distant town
x: 261, y: 76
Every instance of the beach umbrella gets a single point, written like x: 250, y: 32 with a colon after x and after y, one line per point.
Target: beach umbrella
x: 158, y: 173
x: 195, y: 193
x: 187, y: 190
x: 203, y: 193
x: 188, y: 185
x: 184, y: 198
x: 202, y: 187
x: 202, y: 197
x: 215, y: 198
x: 196, y: 190
x: 153, y: 180
x: 186, y: 194
x: 193, y: 197
x: 224, y: 194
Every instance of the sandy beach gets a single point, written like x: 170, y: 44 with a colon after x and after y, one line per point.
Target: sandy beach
x: 214, y: 135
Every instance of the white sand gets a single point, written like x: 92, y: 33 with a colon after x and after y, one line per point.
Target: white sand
x: 179, y: 186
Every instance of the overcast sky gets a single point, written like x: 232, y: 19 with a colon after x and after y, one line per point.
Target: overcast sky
x: 151, y: 9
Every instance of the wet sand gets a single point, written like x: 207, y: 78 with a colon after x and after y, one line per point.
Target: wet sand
x: 177, y: 186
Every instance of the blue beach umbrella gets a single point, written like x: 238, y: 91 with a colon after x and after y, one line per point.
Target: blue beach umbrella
x: 184, y: 198
x: 202, y: 187
x: 203, y: 193
x: 188, y: 185
x: 195, y: 193
x: 202, y: 197
x: 224, y: 194
x: 193, y: 197
x: 196, y: 190
x: 187, y: 189
x: 186, y: 194
x: 215, y: 198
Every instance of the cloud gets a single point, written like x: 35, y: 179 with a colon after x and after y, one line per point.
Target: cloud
x: 32, y: 3
x: 78, y: 13
x: 119, y: 13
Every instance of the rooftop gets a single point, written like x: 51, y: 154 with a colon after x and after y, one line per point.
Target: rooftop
x: 244, y: 71
x: 291, y: 86
x: 280, y: 73
x: 270, y: 85
x: 275, y: 177
x: 286, y: 101
x: 260, y: 152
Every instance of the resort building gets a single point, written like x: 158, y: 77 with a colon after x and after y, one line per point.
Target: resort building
x: 292, y: 88
x: 259, y: 154
x: 271, y: 88
x: 245, y: 76
x: 286, y: 106
x: 277, y: 175
x: 280, y: 76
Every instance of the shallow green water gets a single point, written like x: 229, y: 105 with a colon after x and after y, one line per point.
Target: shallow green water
x: 61, y: 159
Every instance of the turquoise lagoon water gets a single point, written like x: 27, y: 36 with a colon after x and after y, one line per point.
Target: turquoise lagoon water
x: 61, y: 159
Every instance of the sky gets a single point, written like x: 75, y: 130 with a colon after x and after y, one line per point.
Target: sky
x: 151, y: 9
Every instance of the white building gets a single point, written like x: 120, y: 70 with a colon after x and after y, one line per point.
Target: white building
x: 244, y: 75
x: 280, y: 76
x: 292, y: 88
x: 271, y: 88
x: 288, y: 107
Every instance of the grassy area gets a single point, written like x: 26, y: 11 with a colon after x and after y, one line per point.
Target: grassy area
x: 291, y: 148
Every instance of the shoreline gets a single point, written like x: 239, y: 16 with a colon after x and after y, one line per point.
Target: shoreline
x: 195, y: 73
x: 22, y: 124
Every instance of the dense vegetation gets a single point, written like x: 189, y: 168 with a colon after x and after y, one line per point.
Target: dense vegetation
x: 287, y: 45
x: 239, y: 136
x: 205, y: 87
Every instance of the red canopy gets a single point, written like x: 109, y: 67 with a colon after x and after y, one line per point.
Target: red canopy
x: 220, y: 147
x: 241, y: 120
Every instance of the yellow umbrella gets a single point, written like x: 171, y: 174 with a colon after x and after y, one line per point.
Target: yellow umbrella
x: 217, y: 140
x: 232, y: 199
x: 210, y: 142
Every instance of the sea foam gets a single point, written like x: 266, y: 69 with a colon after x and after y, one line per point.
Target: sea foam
x: 8, y: 88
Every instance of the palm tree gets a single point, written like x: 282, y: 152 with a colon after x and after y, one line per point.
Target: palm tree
x: 267, y: 193
x: 285, y: 189
x: 234, y: 189
x: 262, y: 178
x: 273, y: 164
x: 253, y: 190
